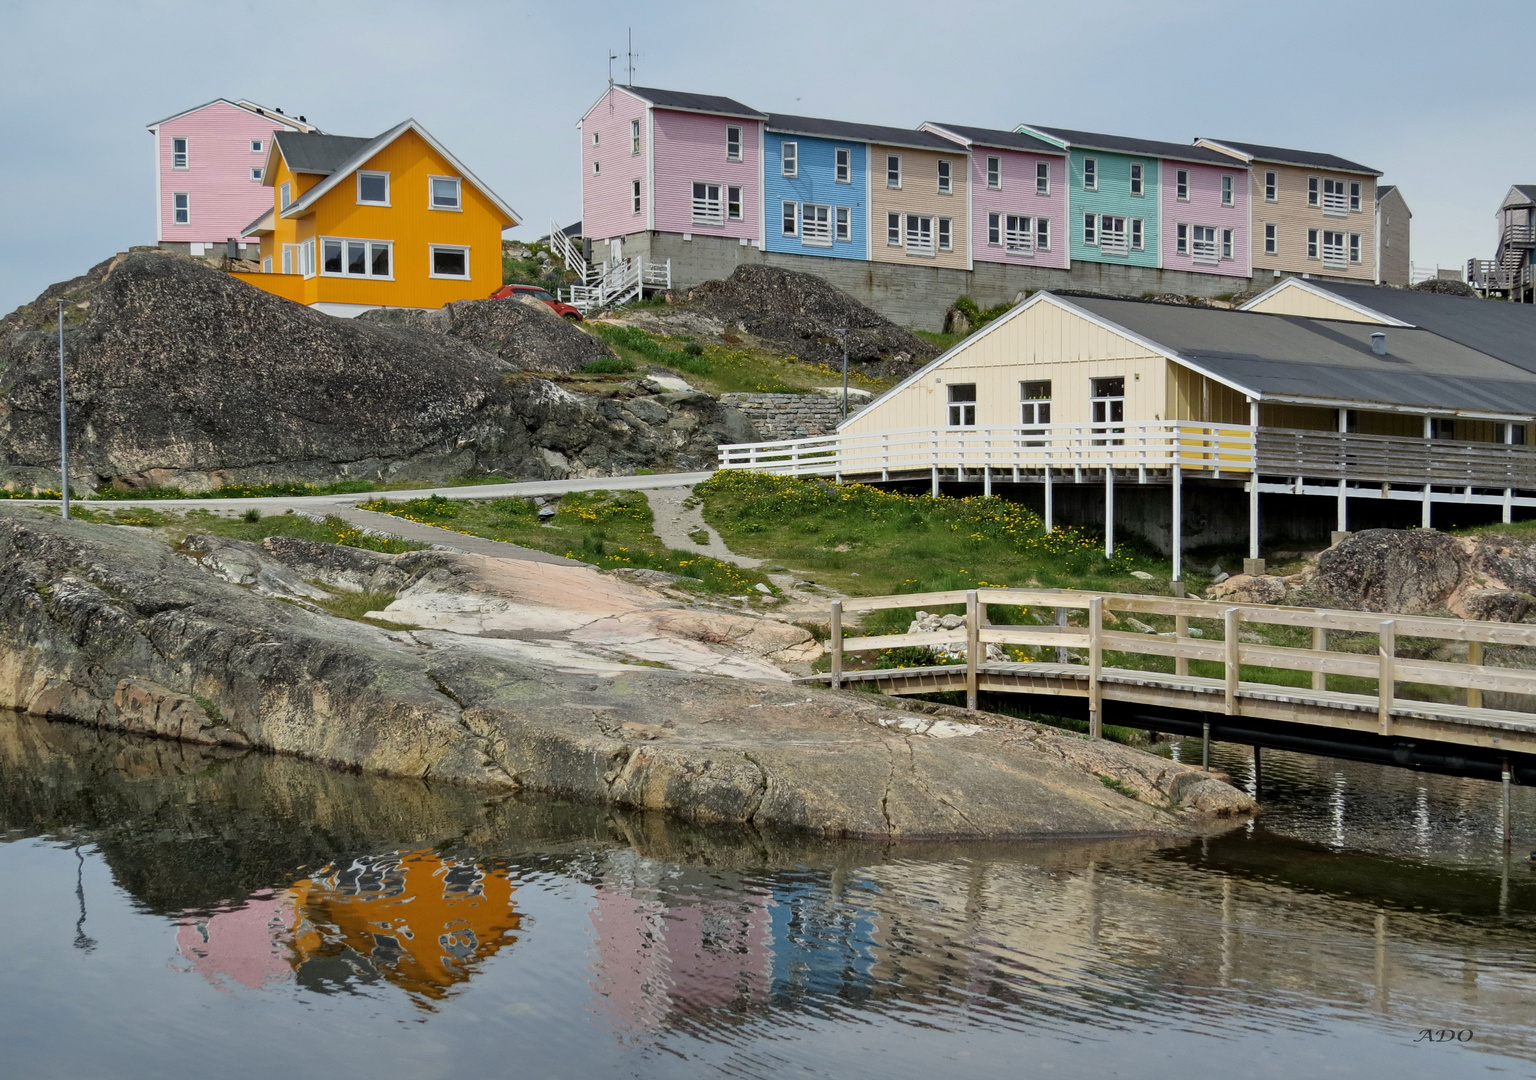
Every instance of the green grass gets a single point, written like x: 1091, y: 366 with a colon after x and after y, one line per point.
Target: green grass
x: 610, y: 529
x: 357, y: 605
x: 940, y: 341
x: 333, y: 530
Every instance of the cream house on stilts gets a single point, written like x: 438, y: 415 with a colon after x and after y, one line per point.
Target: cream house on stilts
x: 1080, y: 391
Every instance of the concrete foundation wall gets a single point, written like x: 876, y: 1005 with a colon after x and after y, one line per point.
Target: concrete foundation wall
x: 787, y: 416
x: 918, y: 296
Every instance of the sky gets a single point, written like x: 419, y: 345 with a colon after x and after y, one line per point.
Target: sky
x: 1426, y: 92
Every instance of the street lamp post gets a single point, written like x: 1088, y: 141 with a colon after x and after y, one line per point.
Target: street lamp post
x: 842, y: 332
x: 63, y: 425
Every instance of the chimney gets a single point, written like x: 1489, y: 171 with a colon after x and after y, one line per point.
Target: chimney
x: 1379, y: 343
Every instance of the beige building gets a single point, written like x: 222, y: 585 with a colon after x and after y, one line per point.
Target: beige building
x: 1313, y: 213
x: 1394, y: 261
x: 919, y: 202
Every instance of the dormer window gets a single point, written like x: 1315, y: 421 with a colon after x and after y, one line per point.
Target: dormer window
x: 373, y: 188
x: 447, y: 193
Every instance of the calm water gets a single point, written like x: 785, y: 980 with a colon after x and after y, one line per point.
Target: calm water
x: 171, y: 912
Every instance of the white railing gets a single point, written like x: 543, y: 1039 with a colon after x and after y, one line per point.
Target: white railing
x: 707, y: 212
x: 1334, y: 256
x: 1204, y: 252
x: 568, y: 252
x: 620, y: 283
x: 1157, y: 445
x: 1113, y: 243
x: 1335, y: 205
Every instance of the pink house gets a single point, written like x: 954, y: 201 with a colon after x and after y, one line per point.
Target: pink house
x: 208, y: 173
x: 1205, y: 218
x: 664, y: 161
x: 1018, y: 196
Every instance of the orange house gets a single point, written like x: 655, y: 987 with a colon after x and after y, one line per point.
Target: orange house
x: 395, y: 221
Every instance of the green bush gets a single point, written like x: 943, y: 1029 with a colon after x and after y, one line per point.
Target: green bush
x: 604, y: 365
x: 638, y: 341
x: 977, y: 317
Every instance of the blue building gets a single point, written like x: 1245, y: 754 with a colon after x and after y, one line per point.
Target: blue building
x: 815, y: 187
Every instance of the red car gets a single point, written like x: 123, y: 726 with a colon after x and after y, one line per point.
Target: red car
x: 538, y: 292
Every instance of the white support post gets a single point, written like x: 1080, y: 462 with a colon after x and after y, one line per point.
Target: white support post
x: 1425, y: 516
x: 1343, y: 505
x: 1109, y: 509
x: 1509, y: 505
x: 1253, y: 491
x: 1178, y: 523
x: 1095, y: 667
x: 986, y: 480
x: 935, y: 491
x: 1050, y: 521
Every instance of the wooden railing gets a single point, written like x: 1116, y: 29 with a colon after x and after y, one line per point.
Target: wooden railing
x: 1394, y: 459
x: 1093, y: 640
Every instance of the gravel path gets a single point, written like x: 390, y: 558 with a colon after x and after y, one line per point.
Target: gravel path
x: 674, y: 521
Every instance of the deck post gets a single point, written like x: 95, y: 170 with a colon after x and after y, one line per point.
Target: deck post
x: 1426, y: 515
x: 1205, y: 746
x: 1509, y: 505
x: 972, y: 647
x: 1109, y: 509
x: 1061, y: 650
x: 935, y: 491
x: 1181, y: 633
x: 835, y: 634
x: 1177, y: 543
x: 1505, y: 805
x: 1050, y: 522
x: 1233, y: 657
x: 1385, y: 678
x: 1474, y: 656
x: 1095, y: 667
x: 986, y: 480
x: 1253, y: 494
x: 1343, y: 505
x: 1319, y: 644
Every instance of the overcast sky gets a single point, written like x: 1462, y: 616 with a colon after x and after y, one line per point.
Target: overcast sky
x: 1433, y: 94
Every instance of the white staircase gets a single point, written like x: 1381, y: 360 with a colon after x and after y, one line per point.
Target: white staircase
x: 609, y: 285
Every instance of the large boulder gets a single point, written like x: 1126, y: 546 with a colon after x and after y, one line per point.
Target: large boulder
x: 1394, y: 570
x: 180, y: 374
x: 522, y: 331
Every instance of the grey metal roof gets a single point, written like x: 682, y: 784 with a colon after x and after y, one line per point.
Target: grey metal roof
x: 1006, y: 140
x: 1288, y: 356
x: 1527, y: 190
x: 1120, y: 144
x: 322, y: 154
x: 843, y: 129
x: 1383, y: 190
x: 1507, y: 331
x: 705, y: 103
x: 1305, y: 158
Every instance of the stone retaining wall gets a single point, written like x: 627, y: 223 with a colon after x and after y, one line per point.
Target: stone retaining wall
x: 787, y: 416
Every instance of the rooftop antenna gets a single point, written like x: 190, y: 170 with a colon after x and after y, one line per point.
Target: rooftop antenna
x: 611, y: 58
x: 631, y: 56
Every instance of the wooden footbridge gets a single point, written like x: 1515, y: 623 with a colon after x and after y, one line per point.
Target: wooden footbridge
x: 1344, y: 691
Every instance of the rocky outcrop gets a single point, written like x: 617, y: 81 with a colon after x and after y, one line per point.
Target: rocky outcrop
x: 523, y: 332
x: 182, y: 375
x: 111, y: 627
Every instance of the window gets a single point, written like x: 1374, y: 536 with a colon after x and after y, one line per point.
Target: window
x: 843, y: 223
x: 995, y: 229
x: 994, y: 172
x: 1138, y: 178
x: 946, y: 179
x: 1090, y: 174
x: 1312, y: 191
x: 842, y: 159
x: 597, y: 168
x: 1311, y: 243
x: 1515, y: 434
x: 285, y: 195
x: 266, y: 265
x: 1354, y: 196
x: 1442, y: 427
x: 178, y: 153
x: 367, y: 258
x: 1090, y: 229
x: 1181, y: 239
x: 1138, y: 234
x: 257, y: 145
x: 1019, y: 238
x: 449, y: 262
x: 789, y: 159
x: 596, y: 137
x: 919, y: 234
x: 634, y: 136
x: 1042, y: 234
x: 181, y: 208
x: 1354, y: 247
x: 1035, y: 403
x: 1228, y: 192
x: 634, y: 196
x: 1042, y: 178
x: 706, y: 204
x: 816, y: 225
x: 307, y: 258
x: 447, y: 193
x: 733, y: 143
x: 288, y: 259
x: 1226, y: 243
x: 1202, y: 245
x: 1333, y: 248
x: 1271, y: 239
x: 893, y: 230
x: 893, y: 171
x: 1271, y: 187
x: 373, y: 188
x: 732, y: 202
x: 1112, y: 234
x: 791, y: 219
x: 1335, y: 202
x: 256, y: 174
x: 1181, y: 185
x: 946, y: 234
x: 962, y: 404
x: 1108, y: 407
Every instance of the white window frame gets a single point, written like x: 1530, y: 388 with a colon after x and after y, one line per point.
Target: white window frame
x: 1042, y: 234
x: 309, y: 266
x: 962, y: 412
x: 1181, y: 239
x: 1228, y: 244
x: 1342, y: 246
x: 1202, y: 245
x: 789, y: 159
x: 432, y: 250
x: 181, y: 208
x: 361, y: 173
x: 893, y: 230
x: 1271, y: 238
x: 730, y: 141
x: 917, y: 234
x: 1042, y: 178
x: 368, y: 274
x: 842, y: 224
x: 1271, y: 186
x: 733, y: 199
x: 266, y: 265
x: 1181, y: 185
x: 1355, y: 196
x: 181, y: 159
x: 994, y: 229
x: 634, y: 196
x: 994, y: 172
x: 1090, y: 174
x: 1138, y: 234
x: 597, y: 136
x: 258, y: 145
x: 789, y: 220
x: 1355, y: 249
x: 458, y: 188
x: 944, y: 235
x: 1314, y: 191
x: 1335, y: 197
x: 842, y: 165
x: 1019, y: 234
x: 890, y: 172
x: 1112, y: 237
x: 1034, y: 411
x: 597, y: 168
x: 946, y: 176
x: 257, y: 173
x: 1138, y: 178
x: 1228, y: 189
x: 715, y: 219
x: 284, y: 195
x: 1091, y: 230
x: 288, y: 250
x: 634, y: 137
x: 815, y: 225
x: 1314, y: 242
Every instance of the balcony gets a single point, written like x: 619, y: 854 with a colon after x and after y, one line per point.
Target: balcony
x: 1335, y: 204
